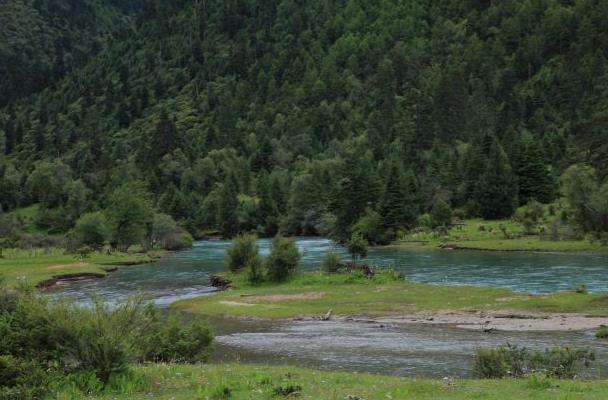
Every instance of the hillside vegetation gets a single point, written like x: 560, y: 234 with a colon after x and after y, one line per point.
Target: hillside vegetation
x: 317, y: 117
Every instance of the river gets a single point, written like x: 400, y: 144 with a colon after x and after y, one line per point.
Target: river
x: 411, y: 350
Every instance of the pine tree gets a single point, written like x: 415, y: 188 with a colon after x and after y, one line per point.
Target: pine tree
x: 399, y: 206
x: 497, y: 192
x: 229, y: 224
x: 533, y: 176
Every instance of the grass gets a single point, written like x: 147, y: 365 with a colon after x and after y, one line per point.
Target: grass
x: 313, y: 294
x: 240, y: 382
x: 38, y: 265
x: 478, y: 234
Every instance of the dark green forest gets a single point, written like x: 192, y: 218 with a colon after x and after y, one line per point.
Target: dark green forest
x: 318, y: 117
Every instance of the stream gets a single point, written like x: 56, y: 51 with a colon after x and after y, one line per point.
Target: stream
x: 404, y: 350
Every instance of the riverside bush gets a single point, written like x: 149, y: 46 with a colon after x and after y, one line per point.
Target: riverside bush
x: 332, y: 262
x: 283, y: 259
x: 518, y: 362
x: 244, y: 249
x: 43, y: 342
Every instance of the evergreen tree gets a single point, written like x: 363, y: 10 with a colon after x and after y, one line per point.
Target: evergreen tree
x: 399, y: 206
x: 533, y: 177
x: 497, y: 192
x: 229, y: 224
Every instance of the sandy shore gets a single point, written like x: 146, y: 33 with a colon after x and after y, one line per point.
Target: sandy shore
x: 495, y: 321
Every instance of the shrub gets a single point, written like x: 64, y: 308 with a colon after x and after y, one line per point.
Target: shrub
x: 60, y: 342
x: 283, y: 259
x: 602, y: 333
x: 172, y: 341
x: 490, y: 364
x: 580, y: 289
x: 244, y: 249
x: 517, y: 362
x: 357, y: 247
x: 332, y: 262
x: 255, y: 270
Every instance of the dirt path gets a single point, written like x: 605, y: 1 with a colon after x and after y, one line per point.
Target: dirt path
x: 496, y: 321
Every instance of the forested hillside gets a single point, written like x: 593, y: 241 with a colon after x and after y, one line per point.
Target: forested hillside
x: 304, y: 117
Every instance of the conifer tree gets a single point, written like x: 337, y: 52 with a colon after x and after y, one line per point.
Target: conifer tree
x: 497, y: 192
x: 533, y: 176
x: 229, y: 224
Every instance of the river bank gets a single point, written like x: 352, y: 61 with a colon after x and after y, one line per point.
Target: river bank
x: 387, y: 297
x: 46, y: 268
x: 500, y: 235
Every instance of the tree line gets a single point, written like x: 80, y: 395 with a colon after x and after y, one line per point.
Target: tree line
x: 316, y: 118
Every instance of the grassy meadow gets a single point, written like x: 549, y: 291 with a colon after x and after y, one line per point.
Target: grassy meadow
x: 38, y: 265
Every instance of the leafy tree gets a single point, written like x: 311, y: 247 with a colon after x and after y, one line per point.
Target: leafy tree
x: 91, y: 230
x: 167, y: 234
x: 130, y: 214
x: 441, y: 214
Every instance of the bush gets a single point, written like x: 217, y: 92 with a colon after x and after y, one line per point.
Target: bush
x: 255, y: 270
x: 490, y: 364
x: 244, y: 249
x: 332, y: 262
x: 172, y: 341
x: 602, y: 333
x: 580, y: 289
x: 518, y: 362
x: 44, y: 342
x: 357, y: 247
x: 283, y: 259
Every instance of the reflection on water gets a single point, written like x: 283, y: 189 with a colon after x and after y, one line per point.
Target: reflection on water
x: 411, y: 350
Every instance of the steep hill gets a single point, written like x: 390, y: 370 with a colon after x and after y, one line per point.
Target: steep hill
x: 306, y: 116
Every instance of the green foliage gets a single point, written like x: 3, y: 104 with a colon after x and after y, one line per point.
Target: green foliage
x: 168, y: 235
x: 587, y: 199
x: 441, y: 214
x: 130, y: 213
x: 335, y: 109
x: 331, y: 262
x: 172, y: 341
x: 283, y: 259
x: 602, y: 333
x: 357, y: 246
x: 243, y: 252
x: 255, y: 270
x: 517, y: 362
x: 45, y: 344
x: 91, y: 230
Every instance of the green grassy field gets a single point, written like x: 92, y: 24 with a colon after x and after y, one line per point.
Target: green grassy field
x: 240, y: 382
x: 38, y: 265
x: 311, y: 294
x: 478, y: 234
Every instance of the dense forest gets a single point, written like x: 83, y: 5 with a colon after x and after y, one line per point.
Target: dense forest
x: 318, y: 117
